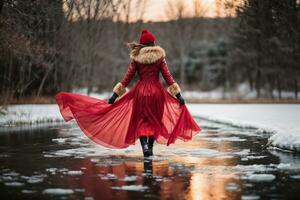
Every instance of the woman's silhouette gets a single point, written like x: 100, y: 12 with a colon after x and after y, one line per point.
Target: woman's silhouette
x: 147, y: 111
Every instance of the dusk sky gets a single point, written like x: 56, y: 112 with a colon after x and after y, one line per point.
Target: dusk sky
x: 155, y: 9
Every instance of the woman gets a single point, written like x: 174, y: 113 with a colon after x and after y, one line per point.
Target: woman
x: 147, y: 111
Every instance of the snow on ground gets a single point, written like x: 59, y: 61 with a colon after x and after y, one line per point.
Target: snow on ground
x: 282, y: 120
x: 243, y: 91
x: 30, y: 114
x: 278, y: 119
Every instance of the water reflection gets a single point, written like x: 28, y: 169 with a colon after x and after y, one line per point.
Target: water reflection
x: 205, y: 168
x: 138, y: 179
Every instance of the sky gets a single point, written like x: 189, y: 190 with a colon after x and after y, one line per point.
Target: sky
x: 156, y: 9
x: 159, y: 10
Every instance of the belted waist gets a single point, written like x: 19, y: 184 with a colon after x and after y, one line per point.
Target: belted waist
x: 148, y: 79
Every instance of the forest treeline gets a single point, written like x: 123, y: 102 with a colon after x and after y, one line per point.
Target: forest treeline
x: 49, y: 46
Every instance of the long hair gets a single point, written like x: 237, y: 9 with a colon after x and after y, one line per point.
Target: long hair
x: 135, y: 47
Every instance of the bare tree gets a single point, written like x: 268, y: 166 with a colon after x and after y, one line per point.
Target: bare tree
x: 183, y: 33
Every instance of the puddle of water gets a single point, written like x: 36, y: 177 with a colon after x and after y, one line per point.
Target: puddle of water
x: 223, y: 162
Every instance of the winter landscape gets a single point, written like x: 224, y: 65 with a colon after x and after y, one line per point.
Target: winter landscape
x: 237, y: 63
x: 245, y: 151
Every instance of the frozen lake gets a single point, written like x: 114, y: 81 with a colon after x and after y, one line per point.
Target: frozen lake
x: 223, y: 162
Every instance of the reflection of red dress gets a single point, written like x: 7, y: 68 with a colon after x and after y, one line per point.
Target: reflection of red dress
x: 147, y: 109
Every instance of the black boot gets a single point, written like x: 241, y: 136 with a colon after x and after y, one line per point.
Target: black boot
x: 150, y: 144
x: 145, y: 146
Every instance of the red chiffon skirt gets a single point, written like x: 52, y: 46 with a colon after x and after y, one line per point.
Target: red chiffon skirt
x: 147, y: 109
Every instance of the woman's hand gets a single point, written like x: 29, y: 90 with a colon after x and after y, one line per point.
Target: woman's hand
x: 180, y: 99
x: 113, y: 97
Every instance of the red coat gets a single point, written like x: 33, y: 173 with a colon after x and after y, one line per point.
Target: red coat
x: 147, y: 109
x: 148, y: 72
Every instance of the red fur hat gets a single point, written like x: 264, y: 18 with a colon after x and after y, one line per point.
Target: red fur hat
x: 146, y: 37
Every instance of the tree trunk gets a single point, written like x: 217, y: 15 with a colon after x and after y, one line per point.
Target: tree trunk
x: 224, y: 83
x: 182, y: 73
x: 279, y: 86
x: 271, y: 82
x: 257, y: 83
x: 296, y: 88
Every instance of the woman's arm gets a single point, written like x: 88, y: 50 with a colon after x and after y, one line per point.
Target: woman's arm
x: 173, y: 87
x: 129, y: 74
x: 119, y: 88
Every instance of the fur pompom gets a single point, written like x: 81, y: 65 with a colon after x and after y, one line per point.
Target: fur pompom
x: 174, y: 89
x: 119, y: 89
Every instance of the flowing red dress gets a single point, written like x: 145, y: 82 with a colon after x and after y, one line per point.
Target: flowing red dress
x: 146, y: 109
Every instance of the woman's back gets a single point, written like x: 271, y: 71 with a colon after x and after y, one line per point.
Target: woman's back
x: 148, y: 62
x: 148, y: 72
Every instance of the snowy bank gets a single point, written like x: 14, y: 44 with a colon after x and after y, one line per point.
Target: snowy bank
x: 30, y: 114
x: 278, y: 119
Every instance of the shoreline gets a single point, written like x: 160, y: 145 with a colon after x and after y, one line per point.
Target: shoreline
x: 51, y: 100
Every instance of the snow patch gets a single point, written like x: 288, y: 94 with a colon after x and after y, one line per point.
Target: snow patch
x: 249, y: 169
x: 222, y: 139
x: 74, y: 173
x: 250, y: 197
x: 260, y: 177
x: 58, y: 191
x: 14, y: 184
x: 28, y: 191
x: 109, y: 176
x: 296, y: 177
x: 199, y: 152
x: 255, y: 157
x: 232, y: 187
x: 131, y: 188
x: 288, y: 166
x: 289, y: 139
x: 35, y: 180
x: 59, y: 140
x: 130, y: 178
x: 30, y: 114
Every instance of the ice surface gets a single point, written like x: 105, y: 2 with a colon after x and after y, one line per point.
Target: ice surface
x: 250, y: 197
x: 59, y: 140
x: 232, y: 187
x: 296, y: 177
x: 88, y: 198
x: 131, y: 187
x: 255, y: 157
x: 244, y: 152
x: 289, y: 167
x: 108, y: 176
x: 14, y: 184
x: 58, y: 191
x: 222, y: 139
x: 260, y: 177
x: 250, y: 169
x: 130, y: 178
x: 35, y: 180
x: 28, y: 191
x: 197, y: 152
x: 74, y: 172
